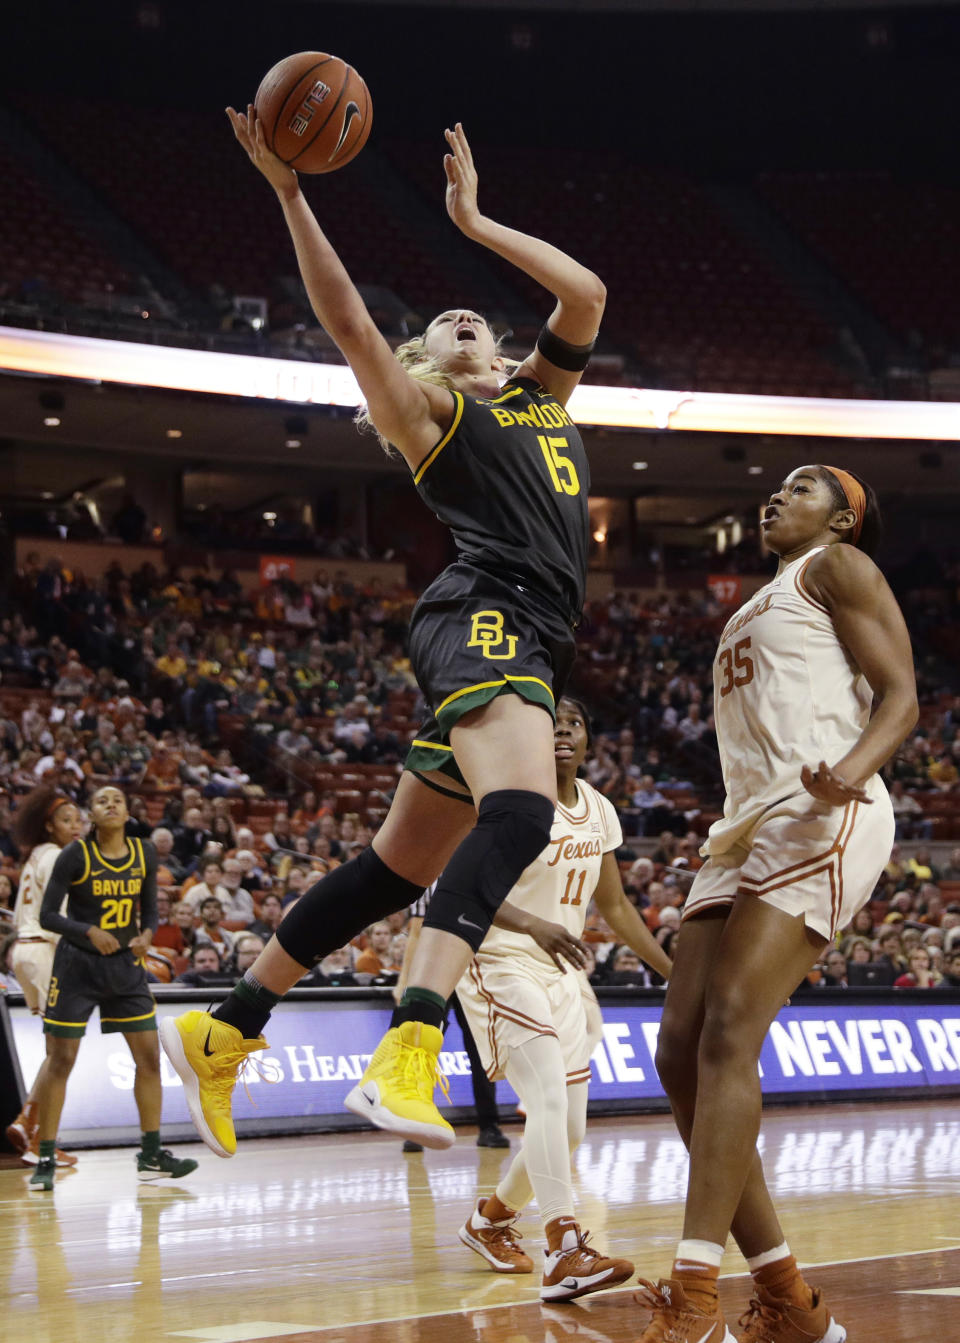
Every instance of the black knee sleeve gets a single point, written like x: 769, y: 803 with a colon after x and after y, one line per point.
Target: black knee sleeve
x: 513, y: 827
x: 341, y: 905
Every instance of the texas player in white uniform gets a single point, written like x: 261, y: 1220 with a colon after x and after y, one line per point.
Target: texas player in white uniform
x: 537, y: 1023
x: 813, y: 692
x: 45, y: 822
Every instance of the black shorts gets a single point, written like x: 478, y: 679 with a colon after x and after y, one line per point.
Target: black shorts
x: 82, y: 980
x: 474, y: 636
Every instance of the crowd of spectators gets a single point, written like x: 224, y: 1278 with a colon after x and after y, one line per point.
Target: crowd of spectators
x: 259, y: 736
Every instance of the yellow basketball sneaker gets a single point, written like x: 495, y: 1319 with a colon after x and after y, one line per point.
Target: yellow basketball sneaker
x: 209, y: 1056
x: 396, y: 1091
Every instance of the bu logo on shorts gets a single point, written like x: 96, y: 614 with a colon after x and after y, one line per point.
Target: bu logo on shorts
x: 53, y: 993
x: 486, y: 632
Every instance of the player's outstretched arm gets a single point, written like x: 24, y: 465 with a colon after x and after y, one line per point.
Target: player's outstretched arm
x: 580, y: 294
x: 401, y: 408
x: 624, y: 919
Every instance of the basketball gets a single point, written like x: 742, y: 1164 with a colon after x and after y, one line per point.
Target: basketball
x: 159, y: 965
x: 316, y: 111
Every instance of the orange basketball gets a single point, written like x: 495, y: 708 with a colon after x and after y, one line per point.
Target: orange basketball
x: 316, y: 111
x: 159, y: 964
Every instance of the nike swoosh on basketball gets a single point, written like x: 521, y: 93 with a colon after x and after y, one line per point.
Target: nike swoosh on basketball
x: 351, y: 111
x: 467, y: 924
x: 206, y: 1045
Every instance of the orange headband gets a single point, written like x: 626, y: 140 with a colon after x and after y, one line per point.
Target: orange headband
x: 854, y: 494
x: 55, y: 805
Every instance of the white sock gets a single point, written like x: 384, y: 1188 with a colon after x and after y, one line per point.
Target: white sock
x: 695, y: 1253
x: 768, y: 1257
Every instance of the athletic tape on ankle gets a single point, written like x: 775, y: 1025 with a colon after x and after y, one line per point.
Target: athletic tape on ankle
x: 768, y: 1257
x: 694, y: 1253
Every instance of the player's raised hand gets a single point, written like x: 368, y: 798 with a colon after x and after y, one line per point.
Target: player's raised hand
x: 461, y: 180
x: 104, y: 942
x: 827, y: 786
x: 249, y: 132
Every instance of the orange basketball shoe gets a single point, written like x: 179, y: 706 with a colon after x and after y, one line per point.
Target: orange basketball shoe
x: 576, y: 1269
x: 32, y: 1155
x: 497, y: 1242
x: 18, y: 1133
x: 771, y: 1319
x: 677, y: 1320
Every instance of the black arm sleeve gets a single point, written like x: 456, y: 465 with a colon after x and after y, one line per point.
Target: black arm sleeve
x: 149, y: 918
x: 560, y: 353
x: 67, y: 869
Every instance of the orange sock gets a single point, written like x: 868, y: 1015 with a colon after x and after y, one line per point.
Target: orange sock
x: 783, y: 1279
x: 495, y: 1211
x: 555, y: 1231
x: 699, y: 1283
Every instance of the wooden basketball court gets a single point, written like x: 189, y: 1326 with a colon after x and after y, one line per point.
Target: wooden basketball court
x: 345, y: 1238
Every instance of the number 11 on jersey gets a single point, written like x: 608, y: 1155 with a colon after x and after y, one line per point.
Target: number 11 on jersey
x: 566, y: 898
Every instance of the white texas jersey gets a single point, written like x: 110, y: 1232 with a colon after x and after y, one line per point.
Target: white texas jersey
x: 33, y: 883
x: 558, y: 885
x: 785, y: 694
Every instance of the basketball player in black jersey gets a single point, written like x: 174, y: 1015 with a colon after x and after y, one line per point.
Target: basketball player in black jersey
x: 500, y: 461
x: 110, y: 884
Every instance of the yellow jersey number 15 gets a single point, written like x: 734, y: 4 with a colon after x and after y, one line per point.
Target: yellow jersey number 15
x: 563, y: 473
